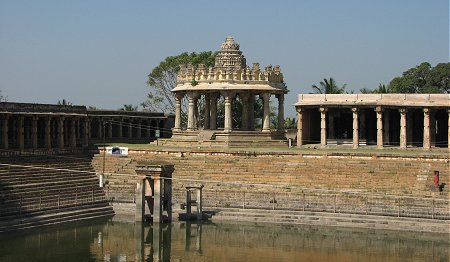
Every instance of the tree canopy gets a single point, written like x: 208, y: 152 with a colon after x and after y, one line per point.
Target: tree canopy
x: 328, y: 86
x: 163, y: 77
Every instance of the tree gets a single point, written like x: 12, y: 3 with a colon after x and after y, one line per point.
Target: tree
x: 382, y: 89
x: 290, y: 123
x: 162, y: 80
x: 2, y: 97
x: 329, y: 86
x: 64, y: 102
x: 129, y: 108
x: 423, y: 79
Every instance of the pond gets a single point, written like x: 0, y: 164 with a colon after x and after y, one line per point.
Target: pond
x: 106, y: 240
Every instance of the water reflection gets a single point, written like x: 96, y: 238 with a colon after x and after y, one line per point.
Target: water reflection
x: 113, y: 241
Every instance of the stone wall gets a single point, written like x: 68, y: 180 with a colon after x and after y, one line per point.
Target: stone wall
x: 385, y: 184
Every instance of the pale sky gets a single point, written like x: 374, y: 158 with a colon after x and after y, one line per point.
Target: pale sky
x: 99, y: 53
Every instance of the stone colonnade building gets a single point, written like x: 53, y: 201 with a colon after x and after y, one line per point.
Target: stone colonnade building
x: 231, y: 79
x: 399, y: 120
x: 26, y: 126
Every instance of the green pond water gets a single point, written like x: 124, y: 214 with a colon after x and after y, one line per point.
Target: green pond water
x: 104, y: 240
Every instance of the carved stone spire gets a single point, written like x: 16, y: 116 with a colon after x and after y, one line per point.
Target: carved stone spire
x: 229, y: 55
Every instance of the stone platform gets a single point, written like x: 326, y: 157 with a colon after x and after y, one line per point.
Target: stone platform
x: 221, y: 139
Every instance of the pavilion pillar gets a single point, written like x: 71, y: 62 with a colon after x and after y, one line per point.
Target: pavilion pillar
x: 299, y: 127
x: 251, y: 117
x: 266, y: 112
x: 34, y: 131
x: 178, y: 98
x: 426, y: 129
x: 403, y: 128
x: 281, y: 112
x: 5, y: 142
x: 191, y: 111
x: 130, y: 128
x: 73, y: 138
x: 20, y: 132
x: 100, y: 127
x: 379, y: 112
x: 228, y: 115
x: 207, y: 113
x: 120, y: 131
x: 323, y: 126
x: 245, y: 111
x: 331, y: 133
x: 386, y: 127
x: 213, y: 105
x: 60, y: 138
x: 110, y: 129
x: 448, y: 129
x: 48, y: 135
x: 139, y: 129
x: 86, y: 132
x: 355, y: 128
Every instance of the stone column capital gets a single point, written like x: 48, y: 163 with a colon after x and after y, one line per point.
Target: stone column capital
x: 323, y: 109
x: 299, y: 109
x: 355, y: 109
x: 379, y: 109
x: 402, y: 110
x: 426, y: 110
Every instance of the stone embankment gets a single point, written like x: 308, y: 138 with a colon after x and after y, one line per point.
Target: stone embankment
x: 376, y: 184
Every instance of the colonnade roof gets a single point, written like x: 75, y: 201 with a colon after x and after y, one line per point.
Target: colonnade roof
x: 392, y: 100
x: 32, y: 108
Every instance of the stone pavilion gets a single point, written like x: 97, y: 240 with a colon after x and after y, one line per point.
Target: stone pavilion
x: 230, y: 80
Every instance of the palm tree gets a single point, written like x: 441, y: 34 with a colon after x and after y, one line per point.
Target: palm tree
x: 129, y: 107
x: 329, y: 86
x: 64, y: 102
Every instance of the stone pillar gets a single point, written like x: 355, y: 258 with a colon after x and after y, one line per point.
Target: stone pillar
x: 206, y: 120
x: 323, y: 126
x: 355, y: 128
x: 34, y: 132
x: 120, y: 131
x: 213, y: 103
x: 245, y: 111
x: 73, y: 138
x: 86, y: 132
x: 280, y: 112
x: 20, y: 132
x: 48, y: 135
x: 228, y: 125
x: 178, y: 98
x: 191, y: 112
x: 5, y: 142
x: 110, y: 129
x: 331, y: 133
x: 386, y: 127
x: 299, y: 127
x: 266, y: 112
x: 426, y: 129
x: 130, y: 128
x: 402, y: 128
x: 379, y: 112
x: 100, y: 126
x: 139, y: 129
x: 60, y: 138
x: 251, y: 117
x: 448, y: 131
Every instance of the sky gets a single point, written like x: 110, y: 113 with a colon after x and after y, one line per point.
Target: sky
x: 99, y: 52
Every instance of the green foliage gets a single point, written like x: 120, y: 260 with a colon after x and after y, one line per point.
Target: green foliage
x: 328, y: 86
x: 423, y: 79
x: 162, y: 79
x: 129, y: 107
x: 382, y: 89
x: 64, y: 102
x: 290, y: 123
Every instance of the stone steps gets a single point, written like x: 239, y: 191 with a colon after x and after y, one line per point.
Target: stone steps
x: 332, y: 219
